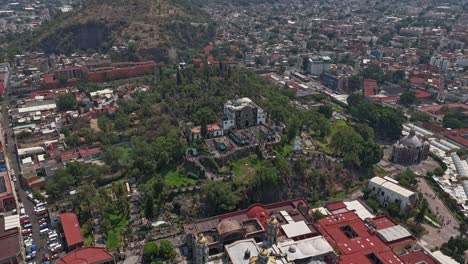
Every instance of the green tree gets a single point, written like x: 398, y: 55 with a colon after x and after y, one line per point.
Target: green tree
x: 419, y: 218
x: 326, y: 110
x: 166, y: 250
x: 355, y: 83
x: 149, y: 207
x: 204, y: 114
x: 439, y: 171
x: 66, y: 102
x: 407, y: 98
x: 151, y: 250
x: 420, y: 116
x: 406, y: 179
x: 317, y: 215
x: 220, y: 198
x: 112, y: 156
x: 204, y: 128
x: 105, y: 124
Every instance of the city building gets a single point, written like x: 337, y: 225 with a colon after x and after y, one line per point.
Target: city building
x: 7, y: 199
x: 242, y: 113
x: 102, y: 73
x: 87, y: 255
x: 335, y: 82
x: 388, y: 191
x: 270, y: 223
x: 213, y: 130
x: 372, y: 241
x: 440, y: 62
x: 71, y: 230
x: 10, y: 252
x: 316, y: 65
x: 410, y: 149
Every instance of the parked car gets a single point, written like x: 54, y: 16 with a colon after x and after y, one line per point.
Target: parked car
x: 56, y: 250
x: 29, y: 257
x: 27, y: 225
x: 44, y: 225
x: 43, y: 231
x: 39, y: 208
x: 25, y: 232
x: 41, y: 212
x: 24, y: 218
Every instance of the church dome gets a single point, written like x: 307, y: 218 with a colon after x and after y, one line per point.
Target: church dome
x: 272, y: 220
x: 228, y: 225
x: 411, y: 140
x: 201, y: 239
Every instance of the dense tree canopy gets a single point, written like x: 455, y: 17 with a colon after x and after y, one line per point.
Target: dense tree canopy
x: 407, y: 98
x: 66, y: 102
x: 386, y: 121
x: 455, y: 120
x: 356, y: 151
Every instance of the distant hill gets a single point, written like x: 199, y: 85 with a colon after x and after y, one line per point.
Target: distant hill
x: 154, y: 25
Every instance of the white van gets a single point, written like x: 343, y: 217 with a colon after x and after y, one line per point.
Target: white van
x: 44, y: 231
x: 22, y: 211
x: 52, y: 236
x: 41, y: 204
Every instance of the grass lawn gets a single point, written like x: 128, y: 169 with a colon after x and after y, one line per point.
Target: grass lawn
x: 175, y: 178
x: 87, y: 234
x: 287, y: 148
x: 379, y: 171
x: 118, y: 221
x: 323, y: 143
x: 125, y: 150
x: 245, y: 169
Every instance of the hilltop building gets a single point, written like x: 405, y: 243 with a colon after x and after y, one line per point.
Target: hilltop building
x: 410, y: 149
x: 242, y: 113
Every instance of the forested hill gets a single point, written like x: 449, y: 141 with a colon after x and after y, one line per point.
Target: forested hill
x: 101, y: 24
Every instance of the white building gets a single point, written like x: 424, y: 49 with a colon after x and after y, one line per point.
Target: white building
x: 388, y: 191
x: 242, y: 113
x: 317, y: 65
x: 440, y: 62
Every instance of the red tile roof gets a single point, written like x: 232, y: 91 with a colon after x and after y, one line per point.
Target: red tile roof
x: 421, y: 94
x: 9, y: 241
x: 383, y: 222
x: 370, y: 87
x: 71, y: 228
x: 68, y: 155
x: 355, y: 248
x: 458, y: 135
x: 418, y: 256
x: 89, y: 151
x: 212, y: 127
x: 333, y: 206
x: 87, y: 255
x: 208, y: 48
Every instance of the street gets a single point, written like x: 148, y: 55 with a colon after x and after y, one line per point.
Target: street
x: 12, y: 163
x: 436, y: 237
